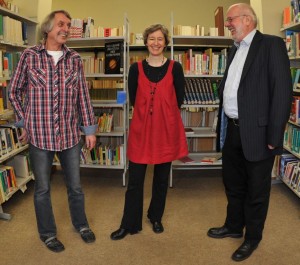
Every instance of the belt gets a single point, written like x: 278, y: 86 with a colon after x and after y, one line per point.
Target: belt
x: 234, y: 121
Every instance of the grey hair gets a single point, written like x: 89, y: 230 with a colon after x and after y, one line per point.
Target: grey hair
x: 247, y: 10
x: 48, y: 22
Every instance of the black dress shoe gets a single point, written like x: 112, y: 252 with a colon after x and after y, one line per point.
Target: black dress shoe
x: 221, y: 232
x: 121, y: 233
x: 53, y: 244
x: 244, y: 251
x: 157, y: 227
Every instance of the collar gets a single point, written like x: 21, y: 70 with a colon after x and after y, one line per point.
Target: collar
x: 65, y: 49
x: 247, y: 40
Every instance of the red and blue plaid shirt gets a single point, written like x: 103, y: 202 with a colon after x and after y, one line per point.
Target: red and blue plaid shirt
x: 51, y: 101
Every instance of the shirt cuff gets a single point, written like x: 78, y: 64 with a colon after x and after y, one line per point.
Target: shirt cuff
x: 89, y: 130
x: 20, y: 123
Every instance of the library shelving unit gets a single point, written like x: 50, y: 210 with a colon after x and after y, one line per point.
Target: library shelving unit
x: 291, y: 141
x: 9, y: 44
x: 117, y: 137
x: 201, y: 118
x: 21, y: 181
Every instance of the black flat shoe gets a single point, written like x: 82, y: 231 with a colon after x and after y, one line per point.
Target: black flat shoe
x: 221, y: 232
x: 244, y: 251
x: 53, y: 244
x: 121, y: 233
x: 157, y: 227
x: 87, y: 235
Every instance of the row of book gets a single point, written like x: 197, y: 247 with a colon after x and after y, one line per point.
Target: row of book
x: 206, y: 63
x: 117, y: 119
x: 85, y: 28
x: 9, y: 137
x: 8, y: 63
x: 295, y: 73
x: 295, y: 110
x: 200, y: 91
x: 290, y: 13
x: 198, y: 30
x: 199, y: 117
x: 8, y: 182
x: 203, y: 144
x: 136, y: 39
x: 105, y: 122
x: 10, y: 6
x: 218, y: 30
x: 13, y: 31
x: 137, y: 58
x: 108, y: 155
x: 107, y: 83
x: 292, y: 138
x: 105, y: 94
x: 292, y: 42
x: 92, y: 65
x: 289, y: 171
x: 111, y: 63
x: 19, y: 166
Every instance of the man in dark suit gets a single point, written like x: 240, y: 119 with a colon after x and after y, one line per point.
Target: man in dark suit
x: 256, y: 94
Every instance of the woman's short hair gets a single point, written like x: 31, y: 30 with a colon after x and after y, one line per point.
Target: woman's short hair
x: 154, y: 28
x: 48, y: 22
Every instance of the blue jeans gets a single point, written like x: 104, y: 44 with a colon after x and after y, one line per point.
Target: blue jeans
x: 41, y: 161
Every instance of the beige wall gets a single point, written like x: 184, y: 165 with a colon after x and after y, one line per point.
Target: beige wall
x: 269, y: 13
x: 28, y: 10
x: 110, y: 13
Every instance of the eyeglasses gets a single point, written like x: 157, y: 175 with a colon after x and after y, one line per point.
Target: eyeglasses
x: 230, y: 19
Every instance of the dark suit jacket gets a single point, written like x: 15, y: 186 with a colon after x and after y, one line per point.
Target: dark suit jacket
x: 264, y: 97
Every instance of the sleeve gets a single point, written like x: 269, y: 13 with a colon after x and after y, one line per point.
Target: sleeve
x: 85, y: 108
x: 133, y: 82
x: 179, y: 82
x: 281, y: 91
x: 18, y: 87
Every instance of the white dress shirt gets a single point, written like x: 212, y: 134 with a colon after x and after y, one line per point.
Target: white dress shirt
x: 234, y: 76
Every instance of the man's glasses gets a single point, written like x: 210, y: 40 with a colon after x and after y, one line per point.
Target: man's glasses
x: 230, y: 19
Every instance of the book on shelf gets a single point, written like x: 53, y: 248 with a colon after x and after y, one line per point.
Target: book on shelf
x: 113, y: 52
x: 295, y: 110
x: 121, y: 97
x: 139, y: 39
x: 289, y: 170
x: 186, y: 160
x: 295, y: 9
x: 284, y: 159
x: 8, y: 178
x: 24, y: 33
x: 1, y: 27
x: 2, y: 193
x: 188, y: 131
x: 14, y: 134
x: 21, y: 165
x: 296, y: 85
x: 211, y: 159
x: 219, y: 20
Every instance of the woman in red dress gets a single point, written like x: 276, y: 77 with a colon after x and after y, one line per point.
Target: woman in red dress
x: 156, y: 91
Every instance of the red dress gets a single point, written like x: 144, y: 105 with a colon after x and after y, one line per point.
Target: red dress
x: 158, y: 137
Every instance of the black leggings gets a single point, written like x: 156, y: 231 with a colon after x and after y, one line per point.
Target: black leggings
x: 134, y: 198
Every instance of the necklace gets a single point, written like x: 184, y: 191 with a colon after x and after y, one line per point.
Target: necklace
x: 153, y: 87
